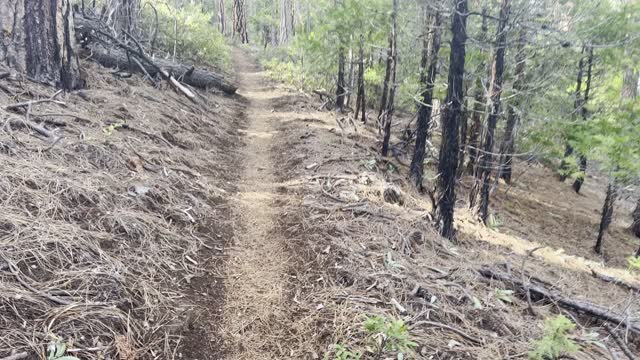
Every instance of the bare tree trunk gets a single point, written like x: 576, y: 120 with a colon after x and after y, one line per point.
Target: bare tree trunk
x: 385, y: 85
x: 607, y: 215
x: 221, y: 17
x: 286, y: 21
x: 508, y: 142
x: 240, y: 21
x: 479, y: 104
x: 447, y: 166
x: 351, y: 77
x: 577, y: 184
x: 388, y: 116
x: 37, y: 38
x: 123, y: 16
x: 496, y: 90
x: 635, y: 226
x: 428, y: 69
x: 577, y: 104
x: 360, y: 100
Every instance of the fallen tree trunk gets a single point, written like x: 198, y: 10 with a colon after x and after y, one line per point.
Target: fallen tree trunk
x: 542, y: 293
x: 117, y: 57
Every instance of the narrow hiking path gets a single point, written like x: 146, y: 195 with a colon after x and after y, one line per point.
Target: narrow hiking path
x: 256, y: 276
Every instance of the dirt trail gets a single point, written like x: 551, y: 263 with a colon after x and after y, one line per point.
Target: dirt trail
x: 256, y: 277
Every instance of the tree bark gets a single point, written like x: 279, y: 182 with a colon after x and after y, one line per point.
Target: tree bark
x: 37, y: 39
x: 607, y: 215
x: 341, y: 87
x: 360, y: 100
x: 428, y: 70
x: 385, y: 85
x: 240, y: 21
x: 479, y: 104
x: 508, y: 143
x: 486, y: 164
x: 448, y: 158
x: 221, y: 17
x: 286, y: 21
x: 577, y: 184
x: 388, y: 115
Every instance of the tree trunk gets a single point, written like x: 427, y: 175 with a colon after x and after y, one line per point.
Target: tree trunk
x: 240, y: 21
x: 508, y: 142
x: 37, y: 38
x: 221, y: 17
x: 428, y: 68
x: 607, y: 215
x: 577, y: 184
x: 360, y: 101
x: 486, y: 164
x: 123, y: 16
x: 388, y: 116
x: 564, y: 170
x: 286, y: 21
x: 479, y: 104
x: 448, y: 162
x: 341, y: 88
x: 385, y: 85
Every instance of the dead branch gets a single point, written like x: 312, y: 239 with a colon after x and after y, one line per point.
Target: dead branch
x: 32, y: 102
x: 540, y: 292
x: 625, y: 349
x: 16, y: 356
x: 447, y: 327
x: 615, y: 281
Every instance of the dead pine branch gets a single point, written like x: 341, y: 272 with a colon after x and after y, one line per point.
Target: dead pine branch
x: 541, y: 293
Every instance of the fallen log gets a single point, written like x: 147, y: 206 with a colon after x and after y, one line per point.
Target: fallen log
x: 117, y: 57
x: 587, y: 308
x: 615, y: 281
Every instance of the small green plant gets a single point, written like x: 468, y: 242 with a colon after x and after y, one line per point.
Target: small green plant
x: 343, y: 353
x: 555, y: 342
x: 388, y: 335
x: 494, y: 222
x: 56, y: 350
x: 111, y: 128
x: 634, y: 263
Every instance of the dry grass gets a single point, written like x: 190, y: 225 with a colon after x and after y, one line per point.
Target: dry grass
x: 100, y: 232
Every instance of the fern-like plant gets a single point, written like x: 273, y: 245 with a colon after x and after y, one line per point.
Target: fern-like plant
x: 555, y: 342
x: 389, y: 335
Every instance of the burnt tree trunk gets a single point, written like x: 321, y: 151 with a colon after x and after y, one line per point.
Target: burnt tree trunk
x: 577, y: 104
x: 448, y: 158
x: 508, y: 143
x: 341, y: 86
x: 577, y: 184
x: 607, y: 215
x: 479, y: 104
x: 360, y: 100
x: 428, y: 68
x: 635, y: 226
x: 37, y: 39
x: 240, y: 21
x: 388, y: 115
x: 486, y: 164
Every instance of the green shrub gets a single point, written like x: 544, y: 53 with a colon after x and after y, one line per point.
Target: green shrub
x: 555, y: 342
x: 189, y: 29
x: 634, y: 263
x: 390, y: 335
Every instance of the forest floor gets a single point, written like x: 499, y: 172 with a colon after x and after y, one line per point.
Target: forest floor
x: 259, y: 227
